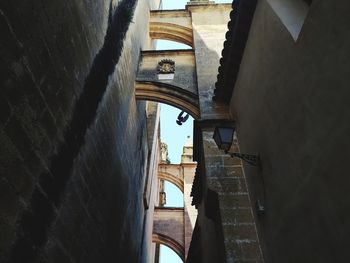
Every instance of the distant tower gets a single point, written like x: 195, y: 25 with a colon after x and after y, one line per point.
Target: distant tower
x: 187, y: 152
x: 164, y: 158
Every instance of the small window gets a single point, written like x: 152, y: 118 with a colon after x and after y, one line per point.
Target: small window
x: 292, y: 14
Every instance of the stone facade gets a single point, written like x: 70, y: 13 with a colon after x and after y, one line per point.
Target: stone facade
x: 80, y: 148
x: 70, y: 131
x: 290, y: 105
x: 225, y: 230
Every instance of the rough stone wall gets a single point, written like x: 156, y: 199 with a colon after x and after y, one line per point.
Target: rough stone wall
x: 225, y: 224
x: 292, y: 106
x: 70, y: 131
x: 226, y: 209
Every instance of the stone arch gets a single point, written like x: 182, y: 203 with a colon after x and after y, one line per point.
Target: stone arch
x: 169, y: 242
x: 168, y: 94
x: 172, y: 179
x: 173, y: 32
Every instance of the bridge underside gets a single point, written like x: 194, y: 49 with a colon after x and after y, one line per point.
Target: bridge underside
x: 172, y: 237
x: 171, y: 32
x: 169, y: 242
x: 172, y: 179
x: 179, y: 90
x: 168, y: 94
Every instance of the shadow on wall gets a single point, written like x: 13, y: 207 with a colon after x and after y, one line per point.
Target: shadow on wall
x: 32, y: 232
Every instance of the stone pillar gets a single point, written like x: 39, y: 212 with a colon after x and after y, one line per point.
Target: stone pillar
x: 225, y: 219
x: 208, y: 37
x: 225, y: 176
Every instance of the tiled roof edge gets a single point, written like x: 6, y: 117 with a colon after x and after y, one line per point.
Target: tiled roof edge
x: 241, y: 18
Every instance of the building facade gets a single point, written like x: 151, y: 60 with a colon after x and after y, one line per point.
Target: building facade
x: 288, y: 83
x: 75, y: 145
x: 79, y: 134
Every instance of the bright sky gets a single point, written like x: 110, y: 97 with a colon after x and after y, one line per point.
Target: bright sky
x: 174, y: 135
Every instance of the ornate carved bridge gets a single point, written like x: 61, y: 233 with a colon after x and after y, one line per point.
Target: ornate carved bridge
x: 169, y: 76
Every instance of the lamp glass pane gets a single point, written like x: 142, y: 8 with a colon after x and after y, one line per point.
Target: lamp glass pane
x: 223, y: 137
x: 216, y: 137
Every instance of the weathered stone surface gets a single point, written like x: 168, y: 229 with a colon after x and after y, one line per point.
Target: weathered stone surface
x: 70, y: 130
x: 227, y: 204
x: 170, y: 222
x: 291, y: 102
x: 208, y: 38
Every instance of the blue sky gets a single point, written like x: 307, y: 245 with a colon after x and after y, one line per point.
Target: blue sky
x: 174, y: 135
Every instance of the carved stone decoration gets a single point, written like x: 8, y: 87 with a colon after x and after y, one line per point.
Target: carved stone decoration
x: 166, y: 66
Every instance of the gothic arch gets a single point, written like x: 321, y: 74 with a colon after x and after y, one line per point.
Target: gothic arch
x: 168, y: 94
x: 169, y: 242
x: 172, y: 179
x: 173, y: 32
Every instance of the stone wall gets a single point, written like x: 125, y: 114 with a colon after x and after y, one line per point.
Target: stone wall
x: 225, y: 176
x: 225, y: 229
x: 225, y: 222
x: 208, y: 37
x: 70, y: 130
x: 291, y: 100
x: 151, y: 186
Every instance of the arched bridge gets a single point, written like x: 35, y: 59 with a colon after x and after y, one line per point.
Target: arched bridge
x: 172, y: 237
x: 175, y: 25
x: 179, y: 89
x: 172, y: 173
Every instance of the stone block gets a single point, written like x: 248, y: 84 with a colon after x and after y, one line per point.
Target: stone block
x: 227, y: 185
x: 227, y: 201
x: 236, y: 215
x: 240, y: 232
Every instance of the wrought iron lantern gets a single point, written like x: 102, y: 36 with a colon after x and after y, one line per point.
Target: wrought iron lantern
x: 223, y: 137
